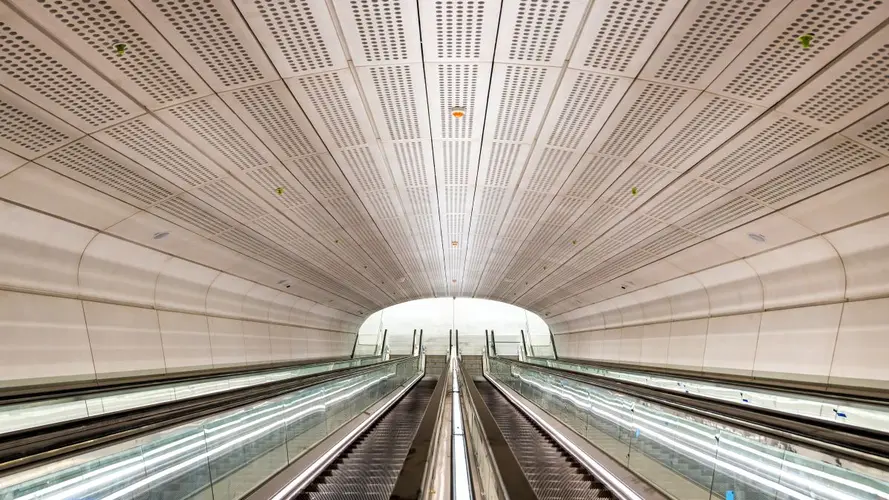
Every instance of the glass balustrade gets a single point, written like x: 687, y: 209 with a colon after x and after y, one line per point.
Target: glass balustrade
x: 858, y: 414
x: 14, y: 417
x: 686, y: 456
x: 220, y: 457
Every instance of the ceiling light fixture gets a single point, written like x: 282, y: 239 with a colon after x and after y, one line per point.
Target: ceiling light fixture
x: 160, y: 235
x: 458, y: 111
x: 757, y: 237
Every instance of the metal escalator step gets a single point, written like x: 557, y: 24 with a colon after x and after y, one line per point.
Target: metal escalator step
x: 369, y: 468
x: 552, y: 473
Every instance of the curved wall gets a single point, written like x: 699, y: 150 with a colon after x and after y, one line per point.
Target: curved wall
x: 79, y: 304
x: 811, y: 303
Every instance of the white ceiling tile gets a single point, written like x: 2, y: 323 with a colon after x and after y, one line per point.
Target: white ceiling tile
x: 538, y: 32
x: 459, y: 31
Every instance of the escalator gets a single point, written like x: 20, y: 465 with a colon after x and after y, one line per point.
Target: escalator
x: 369, y: 467
x: 552, y: 472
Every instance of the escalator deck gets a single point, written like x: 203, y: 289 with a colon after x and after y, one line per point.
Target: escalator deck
x: 370, y: 466
x: 552, y: 473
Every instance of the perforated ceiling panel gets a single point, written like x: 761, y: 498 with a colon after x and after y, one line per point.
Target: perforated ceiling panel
x: 532, y: 151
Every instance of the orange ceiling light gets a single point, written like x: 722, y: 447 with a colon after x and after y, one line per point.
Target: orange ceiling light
x: 458, y: 111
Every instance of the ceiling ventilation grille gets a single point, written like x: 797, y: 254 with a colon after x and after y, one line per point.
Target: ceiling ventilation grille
x: 228, y: 196
x: 644, y: 180
x: 265, y: 105
x: 381, y: 30
x: 297, y: 34
x: 854, y: 88
x: 719, y: 114
x: 528, y: 206
x: 201, y: 117
x: 25, y: 62
x: 328, y: 96
x: 782, y: 58
x: 211, y: 37
x: 878, y: 135
x: 112, y: 174
x: 501, y: 164
x: 647, y: 110
x: 315, y: 174
x: 154, y: 147
x: 395, y: 87
x: 672, y: 205
x: 623, y: 29
x: 552, y: 163
x: 668, y: 241
x: 243, y: 242
x: 99, y: 25
x: 459, y: 27
x: 538, y: 26
x: 521, y: 89
x: 277, y: 229
x: 636, y: 230
x: 780, y: 136
x: 592, y: 175
x: 704, y: 43
x: 270, y: 180
x: 490, y: 200
x: 350, y: 216
x: 564, y: 209
x: 28, y: 132
x: 193, y: 214
x: 457, y: 157
x: 410, y: 161
x: 363, y: 166
x: 456, y: 198
x: 722, y: 217
x: 840, y: 159
x: 588, y: 94
x: 420, y: 201
x: 381, y: 202
x: 313, y: 218
x: 457, y: 84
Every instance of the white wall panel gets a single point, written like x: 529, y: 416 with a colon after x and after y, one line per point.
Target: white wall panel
x: 257, y: 347
x: 803, y: 273
x: 630, y: 310
x: 186, y: 341
x: 864, y: 249
x: 687, y: 343
x: 125, y: 340
x: 39, y: 252
x: 183, y: 285
x: 655, y: 344
x: 631, y: 339
x: 611, y: 344
x: 731, y: 343
x: 856, y: 200
x: 299, y: 344
x: 655, y: 304
x: 257, y: 302
x: 43, y: 339
x: 732, y: 288
x: 9, y: 162
x: 114, y: 269
x: 47, y: 191
x: 701, y: 256
x: 775, y: 228
x: 226, y: 295
x: 226, y: 341
x: 280, y: 338
x: 862, y: 345
x: 798, y: 341
x: 688, y: 299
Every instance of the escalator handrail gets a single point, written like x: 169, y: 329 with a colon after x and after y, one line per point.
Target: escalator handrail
x: 511, y: 476
x: 36, y: 394
x: 876, y: 397
x: 38, y: 445
x: 855, y: 443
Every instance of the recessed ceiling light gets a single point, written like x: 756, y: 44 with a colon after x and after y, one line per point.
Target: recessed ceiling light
x: 757, y: 237
x: 458, y: 111
x: 160, y: 235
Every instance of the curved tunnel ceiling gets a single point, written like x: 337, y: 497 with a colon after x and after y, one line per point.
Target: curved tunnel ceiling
x: 319, y: 138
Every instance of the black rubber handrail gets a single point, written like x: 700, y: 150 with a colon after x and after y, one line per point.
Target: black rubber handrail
x: 855, y: 443
x: 35, y: 393
x: 514, y: 480
x: 409, y: 483
x: 866, y: 395
x: 38, y: 445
